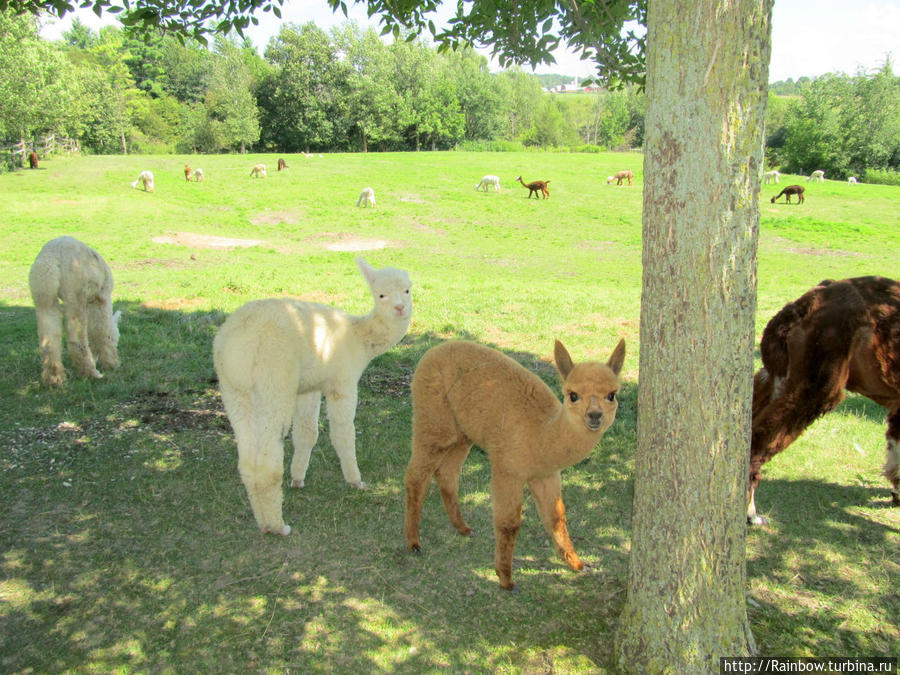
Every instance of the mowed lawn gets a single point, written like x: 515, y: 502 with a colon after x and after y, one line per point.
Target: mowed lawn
x: 126, y: 538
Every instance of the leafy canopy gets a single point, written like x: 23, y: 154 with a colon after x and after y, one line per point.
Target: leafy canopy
x: 607, y: 32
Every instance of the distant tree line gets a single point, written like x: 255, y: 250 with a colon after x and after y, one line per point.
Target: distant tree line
x: 310, y: 91
x: 844, y: 125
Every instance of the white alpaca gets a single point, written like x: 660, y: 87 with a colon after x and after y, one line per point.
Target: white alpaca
x: 145, y: 178
x: 198, y: 175
x: 275, y: 359
x: 69, y: 270
x: 366, y: 198
x: 816, y: 177
x: 489, y: 182
x: 772, y: 177
x: 258, y: 171
x: 852, y: 180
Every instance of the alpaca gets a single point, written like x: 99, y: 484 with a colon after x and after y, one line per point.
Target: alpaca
x: 282, y: 165
x: 489, y: 182
x: 838, y: 335
x: 198, y: 175
x: 536, y: 186
x: 366, y: 198
x: 465, y: 393
x: 852, y: 180
x: 791, y: 190
x: 69, y: 270
x: 275, y: 358
x: 816, y: 177
x: 772, y: 177
x: 145, y: 178
x: 187, y: 172
x: 32, y: 160
x: 620, y: 176
x: 258, y: 171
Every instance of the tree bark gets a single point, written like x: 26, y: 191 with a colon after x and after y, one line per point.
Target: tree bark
x: 707, y: 74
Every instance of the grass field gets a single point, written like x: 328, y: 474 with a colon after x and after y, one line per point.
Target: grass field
x: 126, y: 538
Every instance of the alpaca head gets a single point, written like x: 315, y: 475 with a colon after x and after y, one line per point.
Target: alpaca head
x: 390, y: 290
x: 590, y: 390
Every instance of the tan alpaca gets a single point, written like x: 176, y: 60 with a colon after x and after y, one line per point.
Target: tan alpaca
x: 464, y: 394
x: 258, y: 171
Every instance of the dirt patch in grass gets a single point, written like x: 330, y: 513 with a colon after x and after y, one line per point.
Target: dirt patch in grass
x: 344, y: 241
x: 204, y: 240
x: 415, y: 199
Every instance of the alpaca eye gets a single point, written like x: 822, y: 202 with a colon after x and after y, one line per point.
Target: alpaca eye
x: 381, y: 296
x: 573, y: 397
x: 611, y: 397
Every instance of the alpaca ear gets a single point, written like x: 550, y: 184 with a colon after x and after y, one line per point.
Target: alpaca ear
x: 367, y: 270
x: 563, y: 361
x: 618, y: 358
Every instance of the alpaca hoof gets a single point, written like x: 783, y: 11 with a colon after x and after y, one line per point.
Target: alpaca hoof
x: 512, y: 588
x: 574, y: 564
x: 415, y: 548
x: 53, y: 381
x: 359, y: 486
x: 297, y: 483
x: 283, y: 531
x: 895, y: 498
x: 757, y: 520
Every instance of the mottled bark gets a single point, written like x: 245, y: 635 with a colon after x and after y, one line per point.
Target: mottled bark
x: 707, y: 72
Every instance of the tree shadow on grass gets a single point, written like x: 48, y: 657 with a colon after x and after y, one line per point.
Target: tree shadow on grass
x: 127, y: 542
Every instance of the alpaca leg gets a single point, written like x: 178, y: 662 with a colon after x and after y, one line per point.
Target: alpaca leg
x: 49, y: 325
x: 261, y: 465
x: 423, y: 463
x: 304, y: 433
x: 99, y: 328
x: 892, y: 455
x: 548, y: 497
x: 506, y: 493
x: 341, y: 407
x: 78, y: 345
x: 447, y: 478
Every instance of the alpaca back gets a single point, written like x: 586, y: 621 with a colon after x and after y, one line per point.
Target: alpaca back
x: 70, y: 270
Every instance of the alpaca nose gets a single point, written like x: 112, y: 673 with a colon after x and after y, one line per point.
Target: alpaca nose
x: 594, y: 417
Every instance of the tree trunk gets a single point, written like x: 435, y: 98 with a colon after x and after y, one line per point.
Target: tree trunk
x: 707, y: 73
x: 122, y: 138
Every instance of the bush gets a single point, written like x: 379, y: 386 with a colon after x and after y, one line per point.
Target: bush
x: 882, y: 177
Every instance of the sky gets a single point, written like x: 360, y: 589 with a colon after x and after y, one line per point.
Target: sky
x: 809, y: 37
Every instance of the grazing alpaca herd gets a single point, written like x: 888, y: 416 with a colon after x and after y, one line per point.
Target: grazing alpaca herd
x: 276, y: 358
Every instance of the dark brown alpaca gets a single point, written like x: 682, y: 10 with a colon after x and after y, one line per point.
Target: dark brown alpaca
x: 33, y: 159
x: 791, y: 190
x: 536, y: 186
x: 282, y: 165
x: 838, y: 335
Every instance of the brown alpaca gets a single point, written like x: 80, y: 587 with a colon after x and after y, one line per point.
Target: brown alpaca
x: 32, y: 159
x: 282, y: 165
x: 620, y: 176
x: 258, y: 170
x: 536, y: 186
x: 838, y: 335
x: 791, y: 190
x: 465, y: 393
x: 187, y: 172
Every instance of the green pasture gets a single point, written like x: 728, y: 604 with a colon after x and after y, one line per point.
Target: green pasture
x: 126, y: 539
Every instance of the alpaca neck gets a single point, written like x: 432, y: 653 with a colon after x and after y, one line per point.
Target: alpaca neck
x: 565, y: 442
x: 377, y: 333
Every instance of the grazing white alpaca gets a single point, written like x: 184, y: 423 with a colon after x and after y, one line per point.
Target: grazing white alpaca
x: 489, y: 182
x: 69, y: 270
x: 772, y: 177
x: 275, y: 359
x: 465, y: 393
x: 816, y: 177
x: 366, y: 198
x: 198, y: 175
x: 852, y: 180
x: 258, y: 171
x: 145, y: 178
